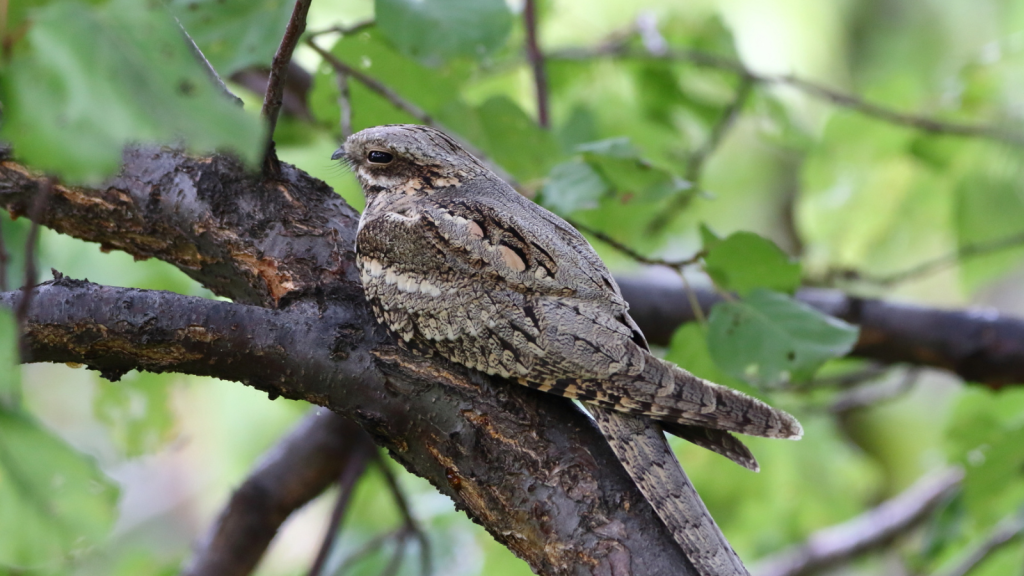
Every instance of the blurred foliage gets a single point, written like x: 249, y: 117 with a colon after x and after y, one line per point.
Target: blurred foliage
x: 798, y: 188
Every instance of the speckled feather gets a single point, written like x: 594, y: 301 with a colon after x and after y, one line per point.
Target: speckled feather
x: 455, y: 262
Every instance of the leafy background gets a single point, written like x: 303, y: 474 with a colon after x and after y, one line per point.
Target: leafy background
x: 120, y: 478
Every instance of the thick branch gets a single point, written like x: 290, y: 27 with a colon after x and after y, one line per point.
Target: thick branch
x: 528, y: 466
x: 301, y: 466
x: 979, y: 345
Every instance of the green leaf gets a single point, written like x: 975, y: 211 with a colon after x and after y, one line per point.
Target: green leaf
x: 745, y: 261
x: 430, y: 89
x: 10, y: 365
x: 768, y: 338
x: 433, y: 31
x: 235, y: 34
x: 689, y: 350
x: 512, y: 138
x: 88, y: 81
x: 55, y: 503
x: 631, y: 175
x: 572, y: 186
x: 986, y: 435
x: 989, y: 207
x: 708, y: 237
x: 136, y: 411
x: 618, y: 147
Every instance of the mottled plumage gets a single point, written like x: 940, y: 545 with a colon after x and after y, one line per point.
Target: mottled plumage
x: 455, y: 262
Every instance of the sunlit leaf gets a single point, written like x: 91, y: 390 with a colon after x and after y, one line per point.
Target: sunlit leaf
x: 89, y: 80
x: 433, y: 31
x: 54, y: 503
x: 768, y: 338
x: 745, y: 261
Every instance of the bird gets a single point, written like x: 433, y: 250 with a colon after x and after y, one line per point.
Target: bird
x: 456, y: 263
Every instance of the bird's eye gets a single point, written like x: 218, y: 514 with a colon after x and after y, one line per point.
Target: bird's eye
x: 379, y: 157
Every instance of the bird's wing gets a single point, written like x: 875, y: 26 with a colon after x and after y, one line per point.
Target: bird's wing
x: 501, y: 285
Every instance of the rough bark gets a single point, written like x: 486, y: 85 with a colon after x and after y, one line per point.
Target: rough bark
x: 981, y: 346
x: 529, y: 467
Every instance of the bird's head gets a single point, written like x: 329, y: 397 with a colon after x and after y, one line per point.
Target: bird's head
x: 406, y: 159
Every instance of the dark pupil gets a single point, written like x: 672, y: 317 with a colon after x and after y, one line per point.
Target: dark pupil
x: 378, y: 157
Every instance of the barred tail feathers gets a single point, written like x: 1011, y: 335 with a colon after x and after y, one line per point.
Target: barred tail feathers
x: 731, y: 409
x: 643, y: 450
x: 717, y: 441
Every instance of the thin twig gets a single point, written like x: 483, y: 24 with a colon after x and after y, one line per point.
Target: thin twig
x: 371, y: 546
x: 343, y: 30
x: 695, y: 164
x: 871, y: 530
x: 413, y: 527
x: 346, y: 485
x: 875, y: 394
x: 406, y: 106
x: 5, y: 257
x: 674, y: 264
x: 691, y: 297
x: 931, y: 266
x: 210, y: 71
x: 275, y: 84
x: 344, y: 105
x: 31, y: 274
x: 1007, y: 530
x: 536, y: 59
x: 620, y: 49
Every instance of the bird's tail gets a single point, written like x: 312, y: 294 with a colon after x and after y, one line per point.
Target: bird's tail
x: 641, y: 447
x: 666, y: 392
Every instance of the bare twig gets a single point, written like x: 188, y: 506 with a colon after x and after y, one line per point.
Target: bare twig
x: 4, y: 259
x: 343, y: 30
x: 1006, y: 531
x: 344, y: 105
x: 695, y: 163
x: 536, y: 59
x: 406, y: 106
x: 31, y: 274
x: 874, y: 394
x: 346, y: 485
x: 620, y: 49
x: 412, y: 527
x: 932, y: 266
x: 872, y: 530
x: 297, y: 469
x: 210, y: 71
x: 275, y: 86
x: 375, y: 85
x: 674, y: 264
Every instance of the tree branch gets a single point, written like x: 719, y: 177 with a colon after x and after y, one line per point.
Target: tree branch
x: 698, y: 158
x: 619, y: 48
x: 1006, y: 531
x: 536, y: 58
x: 539, y: 476
x: 981, y: 346
x: 301, y: 466
x: 275, y: 86
x: 871, y: 530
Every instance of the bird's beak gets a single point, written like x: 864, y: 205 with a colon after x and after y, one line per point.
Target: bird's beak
x: 338, y: 154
